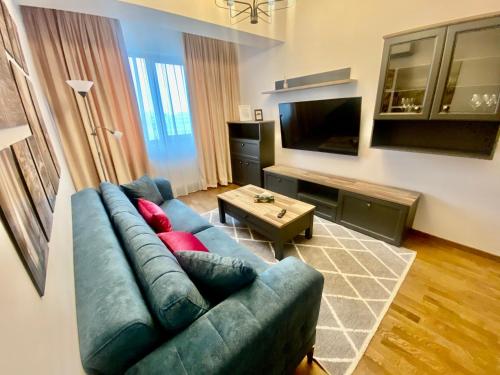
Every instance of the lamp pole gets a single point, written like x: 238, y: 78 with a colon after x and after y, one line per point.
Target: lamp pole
x: 94, y: 134
x: 83, y: 88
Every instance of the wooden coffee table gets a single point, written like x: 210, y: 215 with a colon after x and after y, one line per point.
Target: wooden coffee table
x: 263, y: 217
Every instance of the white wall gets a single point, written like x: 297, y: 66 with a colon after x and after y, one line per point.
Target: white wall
x: 39, y: 335
x: 461, y: 196
x: 153, y: 40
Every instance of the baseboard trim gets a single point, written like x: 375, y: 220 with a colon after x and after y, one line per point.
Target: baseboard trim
x: 468, y: 249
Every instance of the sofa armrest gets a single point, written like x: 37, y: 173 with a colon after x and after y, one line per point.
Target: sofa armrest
x: 267, y: 327
x: 165, y: 188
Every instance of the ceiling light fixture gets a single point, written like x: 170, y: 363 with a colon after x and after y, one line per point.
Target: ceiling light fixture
x: 255, y: 10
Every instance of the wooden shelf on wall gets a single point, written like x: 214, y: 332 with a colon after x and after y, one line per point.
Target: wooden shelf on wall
x: 325, y: 79
x: 312, y: 86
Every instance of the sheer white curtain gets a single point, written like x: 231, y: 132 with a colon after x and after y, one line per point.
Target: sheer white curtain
x: 166, y: 121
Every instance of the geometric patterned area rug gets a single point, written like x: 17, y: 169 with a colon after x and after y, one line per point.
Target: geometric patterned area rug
x: 362, y: 277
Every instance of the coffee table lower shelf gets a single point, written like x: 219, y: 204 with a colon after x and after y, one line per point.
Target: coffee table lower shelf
x: 278, y: 235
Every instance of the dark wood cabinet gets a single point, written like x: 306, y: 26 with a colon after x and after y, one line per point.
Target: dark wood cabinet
x: 281, y: 184
x: 439, y: 90
x: 379, y: 211
x: 378, y: 218
x: 252, y: 149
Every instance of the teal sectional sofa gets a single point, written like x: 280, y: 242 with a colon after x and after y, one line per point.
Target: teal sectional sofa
x: 131, y: 320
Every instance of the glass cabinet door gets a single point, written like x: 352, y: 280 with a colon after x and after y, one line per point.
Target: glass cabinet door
x: 409, y: 72
x: 469, y: 81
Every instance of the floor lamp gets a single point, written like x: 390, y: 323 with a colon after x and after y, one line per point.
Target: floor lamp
x: 83, y: 88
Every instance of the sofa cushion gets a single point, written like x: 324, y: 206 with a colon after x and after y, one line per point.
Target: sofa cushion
x: 182, y: 241
x: 145, y: 188
x: 220, y: 243
x: 217, y: 276
x: 115, y: 327
x: 174, y: 299
x: 183, y: 218
x: 154, y: 216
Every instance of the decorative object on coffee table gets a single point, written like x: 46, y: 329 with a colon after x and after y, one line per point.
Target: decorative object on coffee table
x: 264, y: 198
x: 259, y: 115
x: 263, y: 217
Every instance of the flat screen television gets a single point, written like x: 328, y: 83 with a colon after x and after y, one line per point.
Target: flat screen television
x: 322, y: 125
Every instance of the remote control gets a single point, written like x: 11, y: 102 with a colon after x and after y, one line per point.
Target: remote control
x: 282, y: 213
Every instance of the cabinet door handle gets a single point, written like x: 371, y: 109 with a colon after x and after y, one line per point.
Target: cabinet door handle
x: 242, y: 145
x: 247, y: 164
x: 368, y: 205
x: 241, y: 163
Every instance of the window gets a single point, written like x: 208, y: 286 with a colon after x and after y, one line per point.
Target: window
x: 162, y: 97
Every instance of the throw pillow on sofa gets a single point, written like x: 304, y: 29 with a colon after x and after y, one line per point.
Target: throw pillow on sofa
x: 145, y: 188
x: 180, y: 241
x: 216, y: 276
x: 154, y: 216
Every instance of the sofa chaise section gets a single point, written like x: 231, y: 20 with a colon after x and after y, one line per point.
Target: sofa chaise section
x: 266, y: 328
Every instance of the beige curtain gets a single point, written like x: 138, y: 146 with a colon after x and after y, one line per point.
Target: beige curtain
x: 68, y: 45
x: 214, y: 90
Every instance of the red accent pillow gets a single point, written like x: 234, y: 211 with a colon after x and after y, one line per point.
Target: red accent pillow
x: 182, y: 241
x: 154, y: 216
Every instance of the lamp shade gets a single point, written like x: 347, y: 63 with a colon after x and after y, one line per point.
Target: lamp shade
x: 81, y: 87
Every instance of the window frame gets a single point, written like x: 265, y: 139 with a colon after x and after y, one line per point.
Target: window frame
x: 151, y: 61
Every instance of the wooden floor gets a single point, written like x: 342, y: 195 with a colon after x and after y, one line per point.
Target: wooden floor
x: 444, y: 320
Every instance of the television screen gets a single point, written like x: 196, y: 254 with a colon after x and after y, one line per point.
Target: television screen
x: 322, y: 125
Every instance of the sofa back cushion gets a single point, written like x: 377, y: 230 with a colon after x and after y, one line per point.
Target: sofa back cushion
x: 115, y: 327
x: 174, y: 299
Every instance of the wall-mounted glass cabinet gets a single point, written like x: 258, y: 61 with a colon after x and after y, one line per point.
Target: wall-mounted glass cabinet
x: 443, y: 73
x: 468, y: 87
x: 439, y: 90
x: 410, y: 67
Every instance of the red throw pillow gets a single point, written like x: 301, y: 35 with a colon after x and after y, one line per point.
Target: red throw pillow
x: 182, y: 241
x: 154, y: 216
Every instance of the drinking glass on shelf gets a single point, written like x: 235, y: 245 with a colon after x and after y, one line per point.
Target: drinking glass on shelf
x: 475, y: 101
x: 412, y: 105
x: 490, y: 100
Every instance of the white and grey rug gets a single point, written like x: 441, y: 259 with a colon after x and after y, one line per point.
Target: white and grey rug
x: 362, y: 277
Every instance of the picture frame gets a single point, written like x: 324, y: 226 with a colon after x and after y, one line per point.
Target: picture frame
x: 18, y: 214
x: 245, y: 112
x: 258, y: 115
x: 11, y: 108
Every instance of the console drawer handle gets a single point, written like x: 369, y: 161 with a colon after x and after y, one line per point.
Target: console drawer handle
x: 247, y: 164
x: 242, y: 145
x: 368, y: 204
